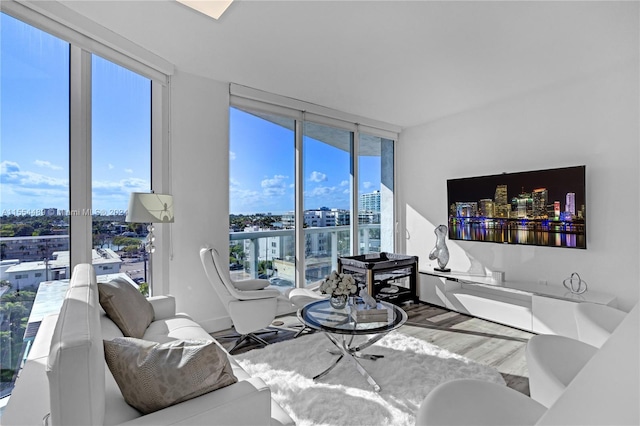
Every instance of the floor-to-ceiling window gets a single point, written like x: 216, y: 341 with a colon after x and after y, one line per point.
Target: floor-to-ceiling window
x: 121, y: 164
x: 375, y: 194
x: 75, y: 139
x: 327, y: 171
x: 261, y: 197
x: 332, y: 192
x: 34, y: 180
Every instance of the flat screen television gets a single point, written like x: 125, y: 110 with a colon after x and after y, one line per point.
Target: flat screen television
x: 541, y: 208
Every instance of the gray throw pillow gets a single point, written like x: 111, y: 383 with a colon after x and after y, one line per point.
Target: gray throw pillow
x: 126, y: 307
x: 152, y: 376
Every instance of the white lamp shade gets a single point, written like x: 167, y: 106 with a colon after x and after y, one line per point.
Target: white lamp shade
x: 150, y: 208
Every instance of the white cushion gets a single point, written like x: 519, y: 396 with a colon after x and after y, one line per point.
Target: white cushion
x: 249, y: 285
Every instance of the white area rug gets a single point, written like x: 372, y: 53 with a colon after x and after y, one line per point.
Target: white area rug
x: 407, y: 373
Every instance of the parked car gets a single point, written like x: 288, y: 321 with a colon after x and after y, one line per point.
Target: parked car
x: 277, y: 281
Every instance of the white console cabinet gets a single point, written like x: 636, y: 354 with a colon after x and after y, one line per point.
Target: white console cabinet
x: 540, y: 308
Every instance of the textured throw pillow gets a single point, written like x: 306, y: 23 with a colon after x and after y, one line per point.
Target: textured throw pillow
x: 126, y: 307
x: 152, y: 376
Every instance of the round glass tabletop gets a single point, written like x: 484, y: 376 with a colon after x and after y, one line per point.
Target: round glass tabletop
x: 319, y: 315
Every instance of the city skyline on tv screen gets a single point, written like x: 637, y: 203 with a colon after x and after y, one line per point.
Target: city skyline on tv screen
x: 542, y: 207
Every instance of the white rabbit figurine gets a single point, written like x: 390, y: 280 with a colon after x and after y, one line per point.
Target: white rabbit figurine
x: 368, y: 300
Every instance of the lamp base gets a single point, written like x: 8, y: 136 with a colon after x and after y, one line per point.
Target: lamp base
x: 442, y: 269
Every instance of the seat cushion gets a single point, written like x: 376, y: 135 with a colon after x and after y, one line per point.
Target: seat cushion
x: 153, y: 376
x: 180, y: 327
x: 126, y: 307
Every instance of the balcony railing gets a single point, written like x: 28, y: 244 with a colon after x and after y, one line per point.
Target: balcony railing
x: 323, y: 246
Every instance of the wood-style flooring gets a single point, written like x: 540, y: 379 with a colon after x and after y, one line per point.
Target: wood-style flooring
x: 483, y: 341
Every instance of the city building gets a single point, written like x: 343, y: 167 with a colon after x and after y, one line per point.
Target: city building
x: 32, y: 273
x: 370, y: 202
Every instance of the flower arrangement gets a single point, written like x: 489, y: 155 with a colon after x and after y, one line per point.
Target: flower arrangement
x: 339, y: 284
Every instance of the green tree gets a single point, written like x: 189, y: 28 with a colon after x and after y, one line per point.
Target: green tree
x: 24, y: 230
x: 7, y: 229
x: 144, y: 288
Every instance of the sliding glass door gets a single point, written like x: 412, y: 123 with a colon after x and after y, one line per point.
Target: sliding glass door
x: 375, y: 199
x: 327, y: 173
x: 333, y: 182
x: 261, y: 197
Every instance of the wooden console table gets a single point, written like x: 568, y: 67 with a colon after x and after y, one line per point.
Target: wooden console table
x: 544, y: 309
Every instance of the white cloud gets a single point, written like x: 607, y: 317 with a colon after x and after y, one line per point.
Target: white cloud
x: 275, y: 186
x: 46, y: 164
x: 344, y: 183
x: 128, y: 170
x: 317, y: 177
x: 367, y: 185
x: 321, y: 191
x: 232, y: 155
x: 12, y: 174
x: 110, y: 166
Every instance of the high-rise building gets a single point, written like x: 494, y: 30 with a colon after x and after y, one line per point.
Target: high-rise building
x: 467, y: 209
x: 370, y: 202
x: 540, y: 197
x: 501, y: 206
x: 501, y: 195
x: 570, y: 206
x: 486, y: 207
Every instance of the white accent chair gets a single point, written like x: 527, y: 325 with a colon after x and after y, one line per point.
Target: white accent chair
x: 553, y: 362
x: 596, y: 322
x: 250, y: 305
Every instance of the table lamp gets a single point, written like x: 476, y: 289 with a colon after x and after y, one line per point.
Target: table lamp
x: 150, y: 208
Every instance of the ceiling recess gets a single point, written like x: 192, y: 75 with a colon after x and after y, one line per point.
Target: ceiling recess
x: 212, y: 8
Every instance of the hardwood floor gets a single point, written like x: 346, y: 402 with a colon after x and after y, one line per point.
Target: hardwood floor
x: 483, y: 341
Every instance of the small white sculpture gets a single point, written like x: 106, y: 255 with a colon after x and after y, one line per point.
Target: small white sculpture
x: 440, y: 251
x: 367, y: 299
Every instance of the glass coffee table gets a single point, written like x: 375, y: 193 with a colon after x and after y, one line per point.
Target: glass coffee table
x: 340, y: 327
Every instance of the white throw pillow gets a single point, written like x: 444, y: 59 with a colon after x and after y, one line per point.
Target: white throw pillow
x: 248, y: 285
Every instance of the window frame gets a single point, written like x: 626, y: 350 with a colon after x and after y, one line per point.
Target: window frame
x: 85, y: 39
x: 250, y: 99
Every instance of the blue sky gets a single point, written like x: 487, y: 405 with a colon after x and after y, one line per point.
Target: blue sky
x: 34, y: 139
x: 262, y: 169
x: 34, y: 129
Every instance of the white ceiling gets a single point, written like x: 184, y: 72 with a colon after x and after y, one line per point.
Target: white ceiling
x: 404, y: 63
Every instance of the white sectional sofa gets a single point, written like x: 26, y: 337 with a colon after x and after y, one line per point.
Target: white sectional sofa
x: 66, y: 381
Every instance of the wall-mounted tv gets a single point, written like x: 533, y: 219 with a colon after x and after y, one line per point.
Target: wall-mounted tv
x: 541, y: 208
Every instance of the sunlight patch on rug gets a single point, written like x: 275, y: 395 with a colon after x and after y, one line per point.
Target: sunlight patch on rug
x: 409, y: 370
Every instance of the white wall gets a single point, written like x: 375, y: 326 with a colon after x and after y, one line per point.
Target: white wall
x: 200, y: 185
x: 592, y: 120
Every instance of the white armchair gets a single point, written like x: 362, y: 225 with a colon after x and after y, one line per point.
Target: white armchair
x: 250, y: 305
x: 596, y: 322
x: 553, y: 362
x: 604, y: 392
